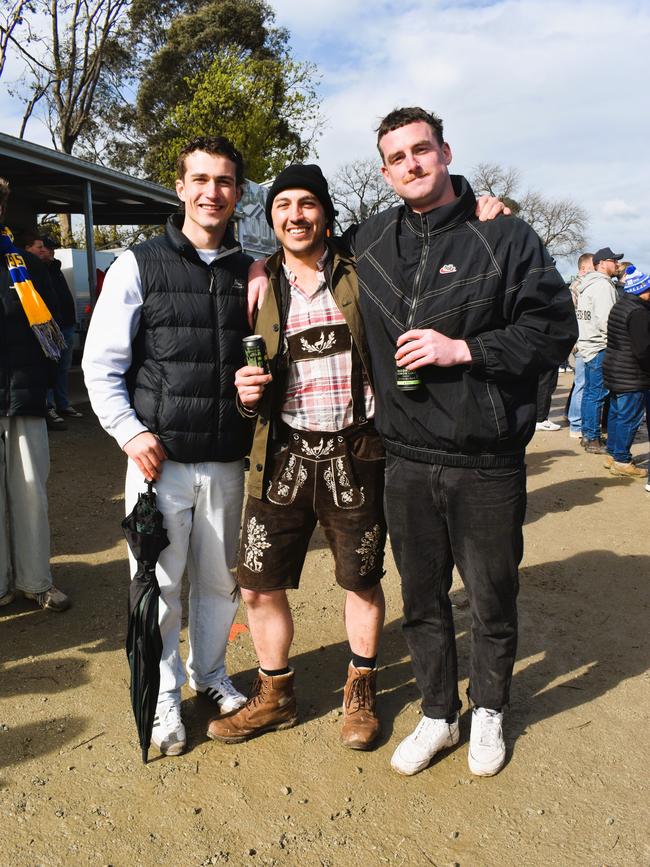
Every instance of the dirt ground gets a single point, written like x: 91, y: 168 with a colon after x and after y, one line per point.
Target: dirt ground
x: 73, y: 790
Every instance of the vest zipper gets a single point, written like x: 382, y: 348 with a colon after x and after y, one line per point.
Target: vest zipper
x: 419, y: 272
x: 217, y: 358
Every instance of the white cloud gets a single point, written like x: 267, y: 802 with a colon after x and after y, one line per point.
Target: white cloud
x: 618, y: 208
x: 542, y: 85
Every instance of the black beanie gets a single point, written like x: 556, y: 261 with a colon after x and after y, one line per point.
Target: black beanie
x: 301, y: 177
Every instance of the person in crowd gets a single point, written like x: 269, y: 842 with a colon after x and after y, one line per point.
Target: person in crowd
x: 596, y: 297
x: 621, y: 272
x: 29, y: 349
x: 626, y: 371
x: 160, y: 358
x: 545, y: 387
x: 471, y: 313
x: 574, y: 402
x: 58, y: 403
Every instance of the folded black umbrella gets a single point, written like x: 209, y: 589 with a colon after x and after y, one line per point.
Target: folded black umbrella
x: 147, y: 537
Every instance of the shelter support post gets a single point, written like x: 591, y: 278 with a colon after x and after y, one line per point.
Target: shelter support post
x: 90, y: 241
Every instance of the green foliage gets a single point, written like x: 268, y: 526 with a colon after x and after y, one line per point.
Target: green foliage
x: 196, y: 33
x: 265, y: 106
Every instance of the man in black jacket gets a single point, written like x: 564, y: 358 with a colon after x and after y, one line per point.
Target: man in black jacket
x: 478, y: 312
x: 25, y: 373
x: 160, y: 358
x: 58, y: 403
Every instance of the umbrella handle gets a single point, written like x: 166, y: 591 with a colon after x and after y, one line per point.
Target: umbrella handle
x: 150, y: 489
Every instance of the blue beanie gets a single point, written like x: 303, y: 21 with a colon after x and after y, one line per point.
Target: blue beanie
x: 636, y: 281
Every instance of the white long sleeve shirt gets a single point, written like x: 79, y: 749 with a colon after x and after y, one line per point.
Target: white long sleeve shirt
x: 109, y: 346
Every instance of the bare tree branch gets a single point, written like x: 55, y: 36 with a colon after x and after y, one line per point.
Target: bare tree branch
x: 10, y: 19
x: 560, y: 223
x: 358, y: 191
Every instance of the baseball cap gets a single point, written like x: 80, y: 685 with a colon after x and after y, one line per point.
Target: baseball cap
x: 606, y: 253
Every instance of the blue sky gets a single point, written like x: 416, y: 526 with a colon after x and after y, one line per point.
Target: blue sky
x: 558, y: 90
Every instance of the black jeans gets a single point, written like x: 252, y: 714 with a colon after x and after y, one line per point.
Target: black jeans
x: 440, y: 516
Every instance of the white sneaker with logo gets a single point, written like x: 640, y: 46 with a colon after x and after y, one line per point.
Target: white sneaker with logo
x: 224, y: 695
x: 487, y: 750
x: 416, y: 751
x: 547, y: 424
x: 168, y: 730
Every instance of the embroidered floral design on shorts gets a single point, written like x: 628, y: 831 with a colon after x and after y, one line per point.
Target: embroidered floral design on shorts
x: 370, y: 549
x: 287, y: 474
x: 256, y: 536
x: 344, y: 481
x: 321, y: 345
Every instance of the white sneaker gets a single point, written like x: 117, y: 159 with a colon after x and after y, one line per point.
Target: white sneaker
x: 575, y: 434
x: 487, y: 750
x: 547, y: 424
x: 168, y: 730
x: 224, y: 695
x: 647, y: 487
x: 416, y: 751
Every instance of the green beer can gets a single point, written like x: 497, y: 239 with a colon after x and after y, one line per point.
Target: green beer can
x: 255, y: 352
x: 407, y: 380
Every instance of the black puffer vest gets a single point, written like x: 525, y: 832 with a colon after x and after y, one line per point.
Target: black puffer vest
x: 25, y: 372
x: 621, y: 370
x: 188, y: 347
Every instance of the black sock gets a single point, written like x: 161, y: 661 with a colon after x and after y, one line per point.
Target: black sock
x: 275, y: 672
x: 363, y: 661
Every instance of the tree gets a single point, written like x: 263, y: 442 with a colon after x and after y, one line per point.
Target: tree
x: 11, y: 19
x: 560, y: 223
x: 264, y: 106
x: 192, y: 45
x: 358, y: 191
x: 65, y: 62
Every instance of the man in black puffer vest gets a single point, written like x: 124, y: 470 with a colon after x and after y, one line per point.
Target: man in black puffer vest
x: 626, y: 371
x: 163, y: 346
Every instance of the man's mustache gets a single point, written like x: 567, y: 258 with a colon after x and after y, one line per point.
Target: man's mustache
x: 413, y: 177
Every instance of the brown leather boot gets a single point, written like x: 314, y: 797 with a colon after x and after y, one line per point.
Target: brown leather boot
x: 270, y: 707
x: 360, y: 723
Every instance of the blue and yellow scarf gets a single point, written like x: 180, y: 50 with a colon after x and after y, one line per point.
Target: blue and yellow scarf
x: 45, y: 329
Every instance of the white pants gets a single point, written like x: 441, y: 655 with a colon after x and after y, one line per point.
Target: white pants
x: 24, y: 526
x: 201, y: 505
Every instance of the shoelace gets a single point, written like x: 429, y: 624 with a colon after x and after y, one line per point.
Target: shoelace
x: 225, y: 689
x: 257, y: 693
x: 360, y: 695
x: 489, y: 731
x: 428, y: 727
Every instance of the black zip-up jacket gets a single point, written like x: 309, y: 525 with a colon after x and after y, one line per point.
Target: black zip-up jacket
x: 492, y: 284
x: 626, y: 366
x: 25, y: 372
x: 66, y: 302
x: 188, y: 347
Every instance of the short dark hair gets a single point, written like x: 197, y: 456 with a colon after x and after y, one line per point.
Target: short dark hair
x: 217, y: 145
x: 4, y: 196
x: 400, y: 117
x: 29, y: 237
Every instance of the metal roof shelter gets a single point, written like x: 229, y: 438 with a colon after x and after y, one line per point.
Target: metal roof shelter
x: 46, y: 181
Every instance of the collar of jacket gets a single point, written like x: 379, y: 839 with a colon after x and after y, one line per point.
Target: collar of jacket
x: 445, y: 217
x: 182, y: 244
